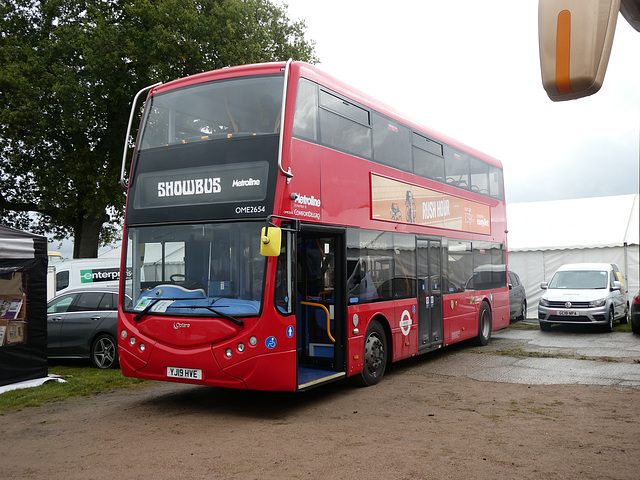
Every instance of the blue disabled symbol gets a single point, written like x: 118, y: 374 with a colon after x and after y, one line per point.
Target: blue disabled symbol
x: 271, y: 342
x: 290, y: 331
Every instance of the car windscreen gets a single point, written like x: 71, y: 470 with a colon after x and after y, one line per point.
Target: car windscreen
x: 579, y: 280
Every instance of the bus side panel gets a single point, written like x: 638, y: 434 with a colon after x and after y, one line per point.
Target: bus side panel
x: 273, y: 371
x: 365, y: 313
x: 301, y: 198
x: 500, y: 309
x: 404, y: 329
x: 400, y: 317
x: 460, y: 314
x: 346, y: 198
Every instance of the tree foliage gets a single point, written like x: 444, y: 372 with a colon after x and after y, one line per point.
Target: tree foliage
x: 70, y: 69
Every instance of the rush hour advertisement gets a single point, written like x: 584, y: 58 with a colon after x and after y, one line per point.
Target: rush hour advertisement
x: 402, y: 202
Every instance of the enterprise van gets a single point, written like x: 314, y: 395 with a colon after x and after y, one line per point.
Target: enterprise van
x: 584, y: 293
x: 82, y: 273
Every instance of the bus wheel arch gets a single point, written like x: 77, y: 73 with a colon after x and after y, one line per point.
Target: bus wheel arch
x: 376, y: 353
x: 485, y: 324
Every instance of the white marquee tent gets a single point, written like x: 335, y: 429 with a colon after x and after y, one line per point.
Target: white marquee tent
x: 545, y: 235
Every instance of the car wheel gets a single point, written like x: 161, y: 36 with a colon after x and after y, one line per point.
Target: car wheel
x: 104, y: 352
x: 375, y: 355
x: 609, y: 326
x: 484, y: 325
x: 624, y: 320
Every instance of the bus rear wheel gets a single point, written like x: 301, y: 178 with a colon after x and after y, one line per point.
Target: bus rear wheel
x: 375, y: 355
x: 484, y: 325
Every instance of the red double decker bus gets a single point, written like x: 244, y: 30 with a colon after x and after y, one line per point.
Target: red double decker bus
x: 284, y: 230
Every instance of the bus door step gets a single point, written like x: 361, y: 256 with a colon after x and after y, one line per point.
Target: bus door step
x: 311, y: 377
x: 322, y: 350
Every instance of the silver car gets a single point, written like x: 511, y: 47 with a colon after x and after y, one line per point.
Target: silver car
x: 584, y: 293
x: 83, y: 324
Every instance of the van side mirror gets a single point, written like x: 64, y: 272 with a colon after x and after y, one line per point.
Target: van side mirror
x: 616, y: 285
x: 544, y: 285
x: 270, y: 241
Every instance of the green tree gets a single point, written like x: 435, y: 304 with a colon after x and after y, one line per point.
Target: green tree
x: 70, y: 69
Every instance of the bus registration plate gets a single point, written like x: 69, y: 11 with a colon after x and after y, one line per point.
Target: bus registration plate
x: 190, y: 373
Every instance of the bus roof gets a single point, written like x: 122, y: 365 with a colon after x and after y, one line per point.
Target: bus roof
x: 313, y: 73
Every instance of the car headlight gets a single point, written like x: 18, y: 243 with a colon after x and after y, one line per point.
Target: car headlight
x: 544, y: 302
x: 597, y: 303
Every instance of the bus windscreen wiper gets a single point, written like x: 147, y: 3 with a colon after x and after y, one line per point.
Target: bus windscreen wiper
x: 146, y: 310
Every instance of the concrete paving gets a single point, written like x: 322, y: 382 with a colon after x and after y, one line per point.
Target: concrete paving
x: 520, y: 356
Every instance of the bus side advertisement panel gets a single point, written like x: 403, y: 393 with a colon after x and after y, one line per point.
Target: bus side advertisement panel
x: 398, y: 201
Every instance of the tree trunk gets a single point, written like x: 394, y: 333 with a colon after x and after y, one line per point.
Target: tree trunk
x: 87, y: 237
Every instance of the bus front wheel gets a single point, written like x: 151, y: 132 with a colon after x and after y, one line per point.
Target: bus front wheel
x: 375, y: 355
x: 484, y: 325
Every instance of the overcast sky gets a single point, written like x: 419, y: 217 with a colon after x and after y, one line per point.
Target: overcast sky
x: 471, y: 69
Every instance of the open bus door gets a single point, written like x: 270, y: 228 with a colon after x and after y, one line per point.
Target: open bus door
x: 321, y: 308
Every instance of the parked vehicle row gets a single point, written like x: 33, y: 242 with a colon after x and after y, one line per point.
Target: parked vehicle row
x: 82, y: 323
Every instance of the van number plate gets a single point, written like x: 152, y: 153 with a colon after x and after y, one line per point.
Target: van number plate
x: 190, y: 373
x: 568, y: 313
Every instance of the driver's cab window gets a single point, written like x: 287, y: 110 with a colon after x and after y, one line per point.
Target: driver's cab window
x: 163, y: 263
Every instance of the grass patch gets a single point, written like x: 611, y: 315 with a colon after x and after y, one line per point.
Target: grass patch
x: 518, y: 352
x: 622, y: 327
x: 80, y: 381
x: 519, y: 325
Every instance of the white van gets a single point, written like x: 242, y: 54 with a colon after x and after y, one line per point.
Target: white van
x: 584, y: 293
x: 64, y: 275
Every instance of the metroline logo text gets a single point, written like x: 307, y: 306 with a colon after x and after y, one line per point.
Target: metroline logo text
x: 304, y: 200
x: 251, y: 182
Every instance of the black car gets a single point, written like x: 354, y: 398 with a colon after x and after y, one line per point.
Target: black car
x: 517, y: 298
x: 83, y: 324
x: 635, y: 314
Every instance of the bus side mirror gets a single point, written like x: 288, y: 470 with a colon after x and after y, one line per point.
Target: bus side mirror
x: 575, y: 40
x: 270, y: 242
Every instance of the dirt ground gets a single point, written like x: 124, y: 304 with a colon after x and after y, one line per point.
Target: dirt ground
x: 413, y: 425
